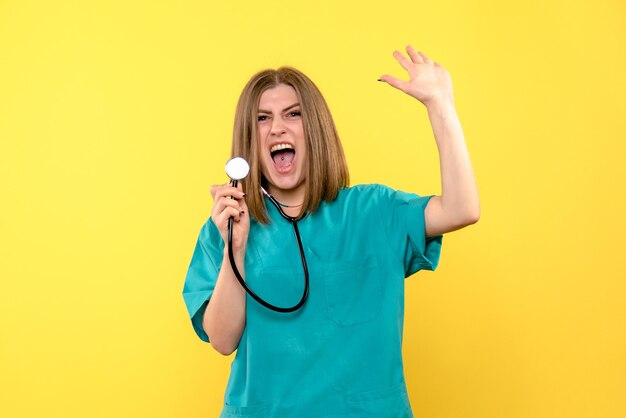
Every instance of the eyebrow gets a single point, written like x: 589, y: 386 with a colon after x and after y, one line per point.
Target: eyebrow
x: 284, y: 110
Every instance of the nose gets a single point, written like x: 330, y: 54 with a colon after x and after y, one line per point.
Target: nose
x: 278, y: 126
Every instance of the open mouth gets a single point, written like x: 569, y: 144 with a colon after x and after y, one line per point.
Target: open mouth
x: 283, y: 156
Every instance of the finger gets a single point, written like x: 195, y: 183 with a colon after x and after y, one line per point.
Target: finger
x: 425, y: 58
x: 394, y: 82
x: 243, y: 205
x: 228, y: 191
x: 216, y: 190
x: 415, y: 57
x: 404, y: 61
x: 223, y: 203
x: 240, y: 188
x: 241, y: 200
x: 228, y: 213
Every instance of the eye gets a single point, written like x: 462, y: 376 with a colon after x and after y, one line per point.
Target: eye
x: 295, y: 114
x: 262, y: 118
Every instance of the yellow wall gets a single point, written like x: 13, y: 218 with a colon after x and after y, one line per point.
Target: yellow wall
x: 115, y: 118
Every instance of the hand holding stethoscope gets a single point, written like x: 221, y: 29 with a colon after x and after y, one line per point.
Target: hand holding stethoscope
x: 229, y: 203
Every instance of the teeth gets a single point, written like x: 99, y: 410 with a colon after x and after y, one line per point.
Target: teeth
x: 278, y: 147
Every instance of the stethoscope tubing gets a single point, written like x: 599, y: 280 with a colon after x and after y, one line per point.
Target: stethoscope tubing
x: 233, y: 264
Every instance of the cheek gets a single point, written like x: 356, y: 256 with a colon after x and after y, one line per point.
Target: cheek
x: 302, y: 141
x: 262, y: 132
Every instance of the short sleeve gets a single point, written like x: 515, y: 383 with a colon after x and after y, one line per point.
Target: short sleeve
x: 202, y: 275
x: 407, y: 227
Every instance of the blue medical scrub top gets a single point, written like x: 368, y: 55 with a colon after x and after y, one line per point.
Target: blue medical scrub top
x: 340, y: 355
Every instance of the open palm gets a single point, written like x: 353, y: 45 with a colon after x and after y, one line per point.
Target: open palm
x: 428, y: 81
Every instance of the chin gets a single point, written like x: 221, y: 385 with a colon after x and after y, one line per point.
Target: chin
x: 284, y: 183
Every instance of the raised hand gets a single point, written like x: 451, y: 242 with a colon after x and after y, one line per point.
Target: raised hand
x: 428, y: 81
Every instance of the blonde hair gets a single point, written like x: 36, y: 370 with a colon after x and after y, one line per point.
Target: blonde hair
x: 327, y: 171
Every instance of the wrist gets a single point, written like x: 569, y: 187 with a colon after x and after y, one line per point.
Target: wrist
x: 440, y: 107
x: 239, y: 254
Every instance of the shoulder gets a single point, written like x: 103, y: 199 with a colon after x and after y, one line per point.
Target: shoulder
x: 364, y: 198
x: 361, y: 199
x: 381, y: 197
x: 372, y: 194
x: 366, y: 191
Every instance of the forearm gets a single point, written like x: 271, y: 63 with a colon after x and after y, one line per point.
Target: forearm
x: 225, y: 316
x: 459, y: 194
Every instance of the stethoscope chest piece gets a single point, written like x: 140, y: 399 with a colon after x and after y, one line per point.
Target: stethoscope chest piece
x: 237, y: 168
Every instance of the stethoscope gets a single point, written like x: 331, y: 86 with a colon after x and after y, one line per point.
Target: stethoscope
x: 237, y: 169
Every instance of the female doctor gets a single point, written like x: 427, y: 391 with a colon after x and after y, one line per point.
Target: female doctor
x: 339, y: 355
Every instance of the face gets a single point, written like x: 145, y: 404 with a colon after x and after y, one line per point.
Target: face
x: 282, y: 144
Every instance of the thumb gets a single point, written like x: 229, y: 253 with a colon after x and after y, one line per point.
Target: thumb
x: 393, y: 82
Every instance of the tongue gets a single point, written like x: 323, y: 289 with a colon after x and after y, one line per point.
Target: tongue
x: 283, y: 158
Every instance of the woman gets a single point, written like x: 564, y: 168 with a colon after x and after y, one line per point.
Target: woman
x: 340, y: 354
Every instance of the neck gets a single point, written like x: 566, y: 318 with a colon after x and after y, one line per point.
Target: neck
x: 290, y: 200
